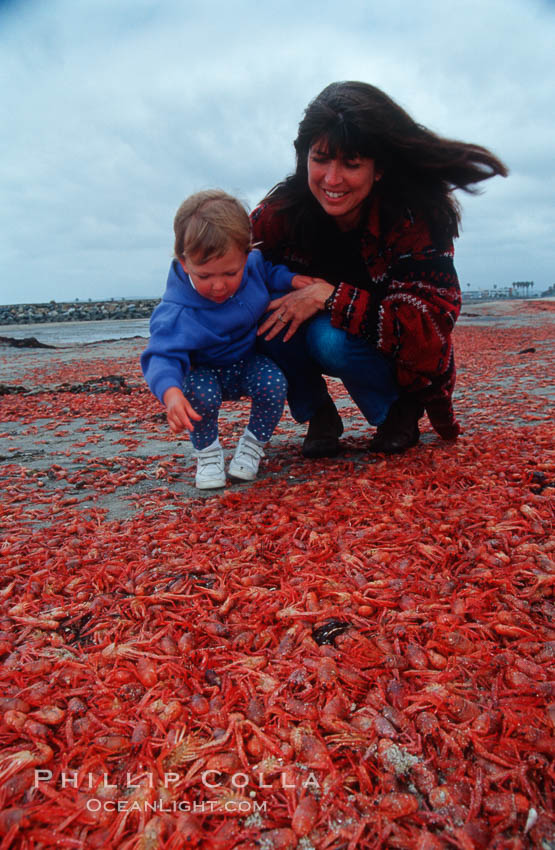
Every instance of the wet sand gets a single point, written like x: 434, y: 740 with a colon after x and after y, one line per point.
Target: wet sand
x: 58, y: 428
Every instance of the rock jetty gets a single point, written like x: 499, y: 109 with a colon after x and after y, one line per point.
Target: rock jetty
x: 76, y: 311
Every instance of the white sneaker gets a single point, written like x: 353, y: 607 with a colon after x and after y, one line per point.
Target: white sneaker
x: 246, y: 460
x: 210, y: 467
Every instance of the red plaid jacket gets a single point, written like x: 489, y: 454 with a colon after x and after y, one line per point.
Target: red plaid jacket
x: 408, y: 308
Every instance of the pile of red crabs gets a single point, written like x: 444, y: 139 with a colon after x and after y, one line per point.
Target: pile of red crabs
x: 348, y: 653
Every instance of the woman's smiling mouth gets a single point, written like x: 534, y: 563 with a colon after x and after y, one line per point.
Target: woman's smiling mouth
x: 333, y: 195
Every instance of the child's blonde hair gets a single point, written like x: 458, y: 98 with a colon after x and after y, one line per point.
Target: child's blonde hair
x: 207, y: 223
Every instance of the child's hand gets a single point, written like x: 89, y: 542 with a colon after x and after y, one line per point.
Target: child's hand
x: 302, y: 280
x: 179, y: 411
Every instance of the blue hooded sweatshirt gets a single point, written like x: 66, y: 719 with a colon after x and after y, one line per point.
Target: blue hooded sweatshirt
x: 188, y: 329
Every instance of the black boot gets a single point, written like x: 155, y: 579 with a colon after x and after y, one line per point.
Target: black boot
x: 400, y: 430
x: 324, y: 430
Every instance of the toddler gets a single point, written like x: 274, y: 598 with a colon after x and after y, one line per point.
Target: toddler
x: 202, y: 335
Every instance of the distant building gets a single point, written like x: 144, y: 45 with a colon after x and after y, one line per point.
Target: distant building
x: 473, y: 294
x: 490, y: 294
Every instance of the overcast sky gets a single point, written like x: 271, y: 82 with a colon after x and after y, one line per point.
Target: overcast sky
x: 113, y: 111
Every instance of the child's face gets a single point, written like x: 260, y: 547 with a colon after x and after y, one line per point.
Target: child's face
x: 220, y: 277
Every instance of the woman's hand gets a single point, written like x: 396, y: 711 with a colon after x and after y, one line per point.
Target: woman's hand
x: 179, y: 411
x: 295, y: 307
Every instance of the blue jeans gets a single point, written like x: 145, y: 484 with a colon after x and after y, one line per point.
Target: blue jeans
x: 318, y: 349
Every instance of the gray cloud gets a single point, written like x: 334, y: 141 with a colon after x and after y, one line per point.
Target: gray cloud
x: 117, y: 110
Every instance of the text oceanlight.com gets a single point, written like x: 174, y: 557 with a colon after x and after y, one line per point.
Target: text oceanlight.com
x: 173, y: 806
x: 209, y: 779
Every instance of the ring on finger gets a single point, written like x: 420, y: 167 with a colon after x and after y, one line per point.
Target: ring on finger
x: 280, y: 317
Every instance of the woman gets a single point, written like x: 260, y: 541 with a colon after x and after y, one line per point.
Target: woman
x: 370, y: 214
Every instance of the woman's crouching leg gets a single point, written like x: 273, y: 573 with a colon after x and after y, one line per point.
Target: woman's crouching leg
x: 306, y: 388
x: 368, y: 376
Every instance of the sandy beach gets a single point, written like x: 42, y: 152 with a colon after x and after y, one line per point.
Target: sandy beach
x: 92, y: 426
x: 108, y: 548
x: 96, y: 428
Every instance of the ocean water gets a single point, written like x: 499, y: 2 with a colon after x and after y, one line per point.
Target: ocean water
x: 74, y: 333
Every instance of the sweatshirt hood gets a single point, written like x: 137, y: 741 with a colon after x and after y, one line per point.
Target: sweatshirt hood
x: 181, y: 291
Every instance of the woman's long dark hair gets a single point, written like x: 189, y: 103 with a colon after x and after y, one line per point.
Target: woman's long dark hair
x: 419, y: 169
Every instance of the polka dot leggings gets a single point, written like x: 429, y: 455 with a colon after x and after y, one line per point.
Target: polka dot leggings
x: 257, y: 377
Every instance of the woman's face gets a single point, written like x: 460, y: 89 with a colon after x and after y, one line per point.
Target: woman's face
x: 340, y: 185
